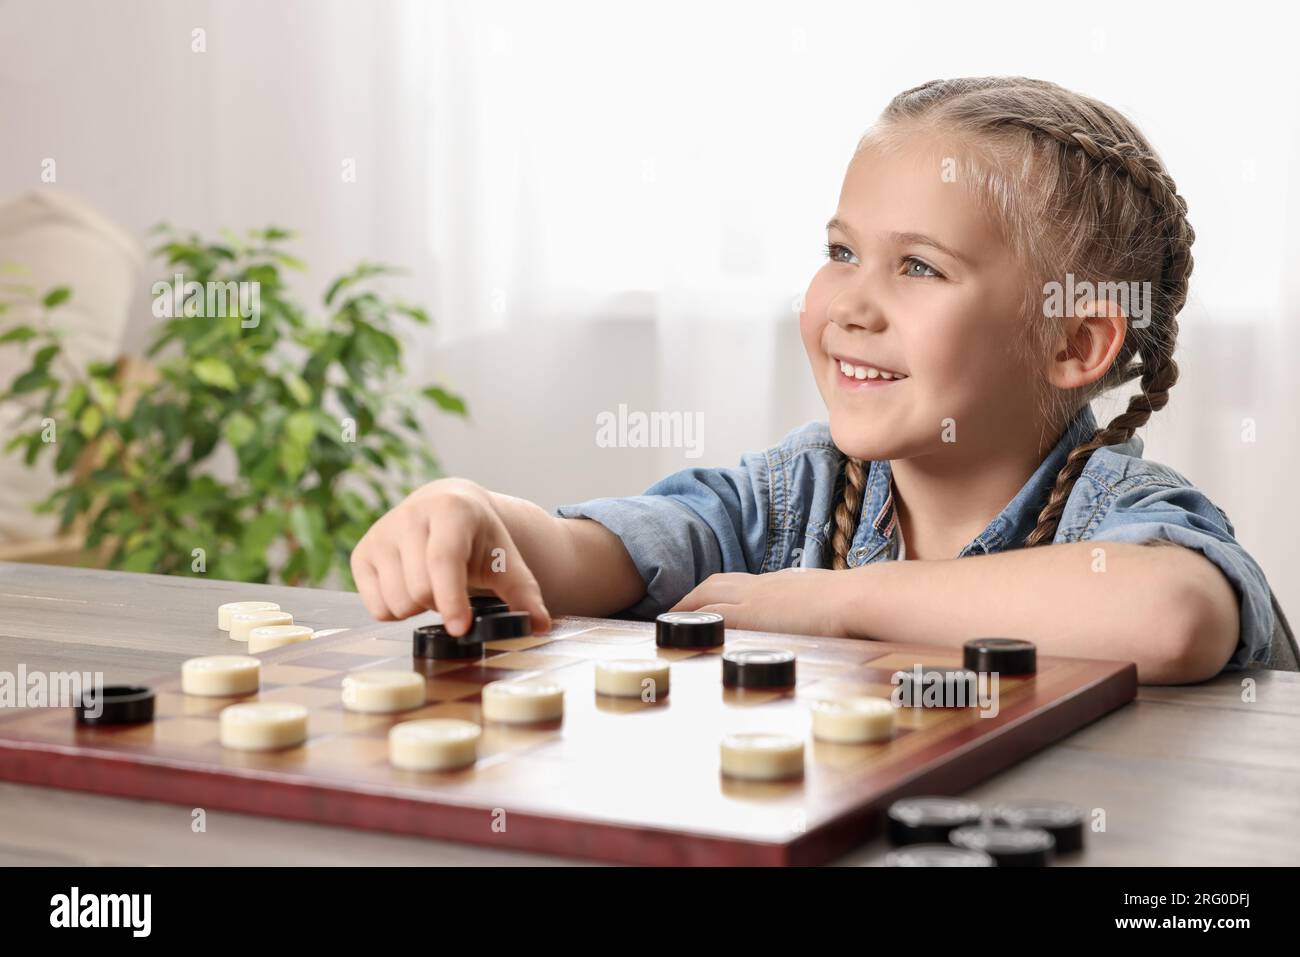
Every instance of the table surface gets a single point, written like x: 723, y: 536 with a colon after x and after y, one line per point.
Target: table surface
x: 1201, y: 775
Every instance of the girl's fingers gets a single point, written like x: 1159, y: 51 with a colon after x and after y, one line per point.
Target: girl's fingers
x: 719, y: 608
x: 415, y: 574
x: 446, y: 572
x: 367, y: 579
x: 392, y: 585
x: 702, y: 594
x: 518, y: 588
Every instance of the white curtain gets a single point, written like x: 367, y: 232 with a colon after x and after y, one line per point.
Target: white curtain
x: 619, y: 202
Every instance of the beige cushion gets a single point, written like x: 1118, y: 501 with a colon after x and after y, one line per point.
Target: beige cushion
x: 57, y: 240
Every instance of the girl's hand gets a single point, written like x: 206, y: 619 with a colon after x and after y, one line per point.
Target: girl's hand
x: 429, y: 551
x: 801, y: 601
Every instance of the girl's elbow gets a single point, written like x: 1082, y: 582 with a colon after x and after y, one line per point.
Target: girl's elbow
x: 1200, y: 634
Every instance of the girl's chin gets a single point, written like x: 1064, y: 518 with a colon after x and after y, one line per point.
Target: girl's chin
x: 859, y: 442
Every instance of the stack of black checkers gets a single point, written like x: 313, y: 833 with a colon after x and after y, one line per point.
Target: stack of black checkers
x: 1009, y: 846
x: 951, y: 832
x: 487, y: 605
x: 937, y: 688
x: 1007, y: 656
x: 1063, y: 822
x: 925, y: 820
x: 758, y: 669
x: 689, y: 629
x: 116, y: 704
x: 435, y: 641
x: 493, y: 621
x: 938, y: 855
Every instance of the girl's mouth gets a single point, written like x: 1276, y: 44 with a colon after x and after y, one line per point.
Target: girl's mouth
x: 854, y: 376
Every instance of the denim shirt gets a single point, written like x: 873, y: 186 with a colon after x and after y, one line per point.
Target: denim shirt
x: 775, y: 509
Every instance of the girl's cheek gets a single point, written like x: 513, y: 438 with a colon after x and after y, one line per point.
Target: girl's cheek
x: 812, y: 316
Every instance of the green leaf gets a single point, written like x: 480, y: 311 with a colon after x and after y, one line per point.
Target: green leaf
x: 300, y: 428
x: 75, y: 399
x: 378, y: 345
x: 239, y: 429
x: 103, y: 392
x: 19, y: 334
x: 204, y: 440
x: 291, y: 262
x: 293, y: 460
x: 445, y: 400
x: 70, y: 446
x: 415, y: 312
x: 298, y: 388
x: 304, y: 525
x: 363, y: 270
x: 34, y: 446
x: 91, y: 421
x: 261, y: 532
x: 56, y: 296
x: 31, y: 380
x: 76, y: 502
x: 140, y: 560
x: 44, y: 357
x: 172, y: 423
x: 319, y: 560
x: 216, y: 373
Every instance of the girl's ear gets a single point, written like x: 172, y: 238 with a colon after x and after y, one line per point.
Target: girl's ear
x: 1088, y: 344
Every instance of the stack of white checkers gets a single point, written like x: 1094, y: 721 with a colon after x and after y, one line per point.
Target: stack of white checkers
x: 262, y: 624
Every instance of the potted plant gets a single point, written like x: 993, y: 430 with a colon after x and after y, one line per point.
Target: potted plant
x: 255, y: 441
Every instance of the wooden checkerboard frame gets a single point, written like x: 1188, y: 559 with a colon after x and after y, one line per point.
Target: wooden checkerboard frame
x: 616, y: 780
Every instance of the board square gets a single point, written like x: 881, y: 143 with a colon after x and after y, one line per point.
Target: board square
x: 276, y: 673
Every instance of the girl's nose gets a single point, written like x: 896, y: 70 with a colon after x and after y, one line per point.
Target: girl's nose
x: 855, y: 308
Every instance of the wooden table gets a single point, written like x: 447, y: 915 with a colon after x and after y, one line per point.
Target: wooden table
x: 1185, y: 776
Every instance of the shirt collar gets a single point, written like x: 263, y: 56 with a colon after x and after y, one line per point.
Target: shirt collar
x: 879, y: 519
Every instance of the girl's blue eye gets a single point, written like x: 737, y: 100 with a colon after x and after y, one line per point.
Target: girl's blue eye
x: 913, y: 268
x: 929, y: 272
x: 834, y: 249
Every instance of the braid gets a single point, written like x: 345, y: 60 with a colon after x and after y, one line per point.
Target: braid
x: 1158, y: 370
x: 848, y: 506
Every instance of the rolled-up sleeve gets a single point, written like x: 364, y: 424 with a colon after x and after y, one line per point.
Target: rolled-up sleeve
x: 1183, y: 515
x: 692, y: 524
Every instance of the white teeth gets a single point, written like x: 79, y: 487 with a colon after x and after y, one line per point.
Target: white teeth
x: 867, y: 372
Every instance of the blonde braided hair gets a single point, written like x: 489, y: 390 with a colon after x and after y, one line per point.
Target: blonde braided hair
x: 1075, y: 188
x: 848, y: 503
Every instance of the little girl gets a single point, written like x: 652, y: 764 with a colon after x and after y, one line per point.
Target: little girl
x: 957, y: 380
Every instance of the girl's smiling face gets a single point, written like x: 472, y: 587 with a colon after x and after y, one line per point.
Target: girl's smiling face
x: 917, y: 283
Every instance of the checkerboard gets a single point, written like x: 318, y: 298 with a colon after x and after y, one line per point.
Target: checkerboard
x: 616, y: 779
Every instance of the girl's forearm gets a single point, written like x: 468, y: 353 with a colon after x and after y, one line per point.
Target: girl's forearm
x: 582, y: 567
x: 1166, y: 608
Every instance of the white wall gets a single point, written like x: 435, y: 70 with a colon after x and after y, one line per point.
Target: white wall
x: 647, y: 183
